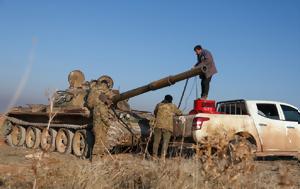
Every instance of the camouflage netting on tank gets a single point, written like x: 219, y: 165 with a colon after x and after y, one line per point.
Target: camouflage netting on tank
x: 120, y: 135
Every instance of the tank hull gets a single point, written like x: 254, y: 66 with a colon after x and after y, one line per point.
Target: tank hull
x: 73, y: 129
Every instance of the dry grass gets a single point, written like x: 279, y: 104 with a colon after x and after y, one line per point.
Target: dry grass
x: 129, y: 171
x: 210, y: 167
x: 132, y: 171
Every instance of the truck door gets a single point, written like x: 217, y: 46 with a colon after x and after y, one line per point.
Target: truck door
x: 291, y: 121
x: 270, y: 128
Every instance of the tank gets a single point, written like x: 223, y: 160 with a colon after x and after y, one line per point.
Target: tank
x: 66, y: 124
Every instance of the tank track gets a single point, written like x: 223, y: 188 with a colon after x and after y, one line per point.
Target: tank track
x: 66, y: 138
x: 63, y: 138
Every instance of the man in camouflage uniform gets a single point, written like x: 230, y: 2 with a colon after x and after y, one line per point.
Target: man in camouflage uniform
x: 164, y: 113
x: 99, y: 101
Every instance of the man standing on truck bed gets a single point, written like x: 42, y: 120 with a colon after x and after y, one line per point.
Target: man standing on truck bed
x: 164, y: 113
x: 205, y: 57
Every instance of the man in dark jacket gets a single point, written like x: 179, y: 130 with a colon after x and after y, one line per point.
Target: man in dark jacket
x: 205, y: 57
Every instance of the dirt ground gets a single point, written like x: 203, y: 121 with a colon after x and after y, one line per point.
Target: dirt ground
x: 25, y: 168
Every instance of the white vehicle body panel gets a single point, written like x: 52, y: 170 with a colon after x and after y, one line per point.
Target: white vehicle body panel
x: 272, y: 134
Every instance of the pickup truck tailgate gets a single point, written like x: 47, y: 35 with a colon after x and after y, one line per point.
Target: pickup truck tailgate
x: 183, y: 126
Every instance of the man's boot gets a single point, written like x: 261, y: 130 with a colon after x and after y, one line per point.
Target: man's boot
x: 203, y: 97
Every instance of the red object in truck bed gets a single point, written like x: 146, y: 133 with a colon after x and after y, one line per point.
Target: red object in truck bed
x: 204, y: 106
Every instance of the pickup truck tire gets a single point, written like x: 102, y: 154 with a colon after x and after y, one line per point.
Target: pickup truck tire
x: 240, y: 149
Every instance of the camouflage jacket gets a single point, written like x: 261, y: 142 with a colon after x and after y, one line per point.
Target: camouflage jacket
x: 96, y: 101
x: 164, y: 113
x: 93, y: 97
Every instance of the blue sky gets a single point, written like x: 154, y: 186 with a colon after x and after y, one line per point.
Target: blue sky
x: 255, y: 44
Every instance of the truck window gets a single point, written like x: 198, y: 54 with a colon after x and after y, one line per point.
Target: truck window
x: 233, y: 108
x: 290, y: 113
x: 268, y: 110
x: 221, y: 108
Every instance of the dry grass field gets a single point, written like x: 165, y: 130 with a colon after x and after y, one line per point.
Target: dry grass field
x: 25, y: 168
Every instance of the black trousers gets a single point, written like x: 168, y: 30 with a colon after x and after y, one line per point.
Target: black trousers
x: 204, y: 85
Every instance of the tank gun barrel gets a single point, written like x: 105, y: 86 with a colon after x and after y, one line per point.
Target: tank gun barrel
x: 164, y: 82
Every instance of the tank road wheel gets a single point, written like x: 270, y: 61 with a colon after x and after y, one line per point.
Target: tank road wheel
x: 79, y: 143
x: 48, y: 139
x: 33, y: 137
x: 63, y: 141
x: 6, y: 128
x: 16, y: 136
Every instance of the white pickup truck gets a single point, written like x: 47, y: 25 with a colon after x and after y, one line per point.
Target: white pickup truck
x: 273, y: 127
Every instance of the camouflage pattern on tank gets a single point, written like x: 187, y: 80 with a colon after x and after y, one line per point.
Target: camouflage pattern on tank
x: 69, y: 123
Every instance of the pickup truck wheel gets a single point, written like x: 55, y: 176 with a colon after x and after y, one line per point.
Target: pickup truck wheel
x: 240, y: 149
